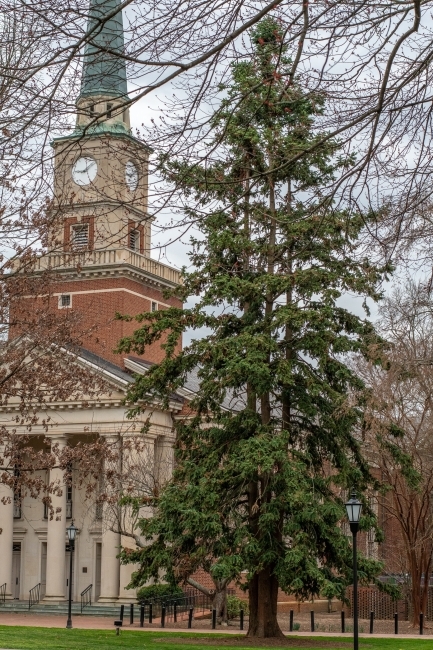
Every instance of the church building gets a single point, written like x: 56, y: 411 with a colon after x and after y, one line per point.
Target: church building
x: 100, y: 253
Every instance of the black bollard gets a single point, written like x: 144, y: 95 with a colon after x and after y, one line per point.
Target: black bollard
x: 175, y: 612
x: 141, y: 615
x: 214, y: 619
x: 131, y: 614
x: 122, y: 611
x: 241, y: 616
x: 291, y: 621
x: 190, y: 618
x: 150, y: 613
x: 371, y: 622
x: 343, y: 627
x: 163, y: 616
x: 421, y: 623
x: 312, y: 620
x: 396, y: 623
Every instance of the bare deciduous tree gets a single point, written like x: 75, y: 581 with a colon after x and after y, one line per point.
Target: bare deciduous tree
x: 399, y: 436
x: 372, y: 60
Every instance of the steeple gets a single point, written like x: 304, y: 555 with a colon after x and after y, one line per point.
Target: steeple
x: 104, y: 69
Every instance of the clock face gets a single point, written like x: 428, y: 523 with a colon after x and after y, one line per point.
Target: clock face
x: 131, y: 175
x: 84, y: 170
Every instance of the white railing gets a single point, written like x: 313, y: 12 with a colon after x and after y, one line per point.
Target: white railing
x: 108, y: 257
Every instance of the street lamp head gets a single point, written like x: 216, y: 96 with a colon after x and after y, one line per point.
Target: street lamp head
x: 353, y: 509
x: 72, y: 532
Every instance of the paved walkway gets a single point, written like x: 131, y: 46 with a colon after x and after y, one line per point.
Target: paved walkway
x: 102, y: 623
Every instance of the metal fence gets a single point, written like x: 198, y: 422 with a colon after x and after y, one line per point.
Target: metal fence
x: 168, y: 609
x: 174, y: 608
x: 370, y: 599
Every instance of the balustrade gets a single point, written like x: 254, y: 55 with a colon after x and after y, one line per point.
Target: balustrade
x: 107, y: 257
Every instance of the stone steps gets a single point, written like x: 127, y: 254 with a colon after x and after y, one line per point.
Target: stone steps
x: 21, y: 606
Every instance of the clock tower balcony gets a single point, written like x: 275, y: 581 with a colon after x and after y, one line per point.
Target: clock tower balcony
x: 110, y: 261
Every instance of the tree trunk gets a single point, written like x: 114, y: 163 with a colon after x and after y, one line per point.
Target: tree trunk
x: 263, y: 587
x: 219, y: 602
x: 416, y: 597
x: 263, y: 595
x: 218, y: 597
x: 420, y: 567
x: 286, y: 401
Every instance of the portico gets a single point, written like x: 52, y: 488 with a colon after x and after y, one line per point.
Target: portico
x: 35, y: 545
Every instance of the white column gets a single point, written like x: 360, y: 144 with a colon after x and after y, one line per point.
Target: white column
x: 110, y: 563
x: 126, y: 570
x: 7, y: 530
x: 56, y: 533
x: 138, y: 475
x: 163, y: 459
x: 110, y: 567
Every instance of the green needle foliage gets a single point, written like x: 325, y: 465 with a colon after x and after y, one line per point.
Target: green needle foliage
x: 271, y: 431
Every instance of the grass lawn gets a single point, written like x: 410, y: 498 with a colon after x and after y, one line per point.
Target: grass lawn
x: 30, y: 638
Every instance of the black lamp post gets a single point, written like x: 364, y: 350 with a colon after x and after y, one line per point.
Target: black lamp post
x: 353, y: 508
x: 72, y: 532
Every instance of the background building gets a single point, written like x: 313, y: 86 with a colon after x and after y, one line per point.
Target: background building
x: 100, y: 243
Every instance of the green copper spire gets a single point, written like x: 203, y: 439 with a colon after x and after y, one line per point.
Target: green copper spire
x: 104, y: 73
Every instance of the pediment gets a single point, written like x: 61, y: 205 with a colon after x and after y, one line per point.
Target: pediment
x: 59, y: 378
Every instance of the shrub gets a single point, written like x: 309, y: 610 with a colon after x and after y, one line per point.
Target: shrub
x: 158, y: 591
x: 234, y: 606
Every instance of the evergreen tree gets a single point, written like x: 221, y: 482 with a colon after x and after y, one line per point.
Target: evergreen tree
x: 270, y: 438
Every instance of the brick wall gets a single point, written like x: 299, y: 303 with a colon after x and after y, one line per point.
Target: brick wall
x: 95, y: 311
x: 392, y: 550
x: 204, y: 579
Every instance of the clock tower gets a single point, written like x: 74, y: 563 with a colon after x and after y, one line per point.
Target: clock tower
x: 101, y: 240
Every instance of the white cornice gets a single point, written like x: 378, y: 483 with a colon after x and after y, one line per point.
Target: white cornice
x: 84, y: 207
x: 120, y: 271
x: 108, y: 262
x: 41, y: 533
x: 138, y: 368
x: 18, y: 533
x: 95, y: 530
x: 85, y: 405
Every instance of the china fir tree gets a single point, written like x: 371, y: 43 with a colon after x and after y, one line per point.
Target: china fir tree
x: 270, y: 436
